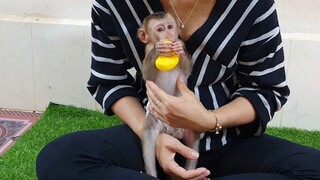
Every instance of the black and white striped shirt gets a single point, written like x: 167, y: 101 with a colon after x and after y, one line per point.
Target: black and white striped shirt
x: 237, y: 52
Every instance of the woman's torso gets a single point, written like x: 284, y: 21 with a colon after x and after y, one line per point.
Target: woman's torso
x: 214, y: 46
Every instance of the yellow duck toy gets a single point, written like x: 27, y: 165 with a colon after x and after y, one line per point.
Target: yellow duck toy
x: 167, y: 63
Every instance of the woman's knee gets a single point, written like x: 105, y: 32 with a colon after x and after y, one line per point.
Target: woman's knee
x: 296, y: 161
x: 305, y: 164
x: 57, y: 156
x: 80, y: 151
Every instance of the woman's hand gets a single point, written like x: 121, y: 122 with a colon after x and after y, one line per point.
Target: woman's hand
x: 166, y: 149
x: 185, y: 111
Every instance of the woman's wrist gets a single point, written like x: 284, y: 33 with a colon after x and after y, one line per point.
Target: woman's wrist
x: 213, y: 122
x: 217, y: 127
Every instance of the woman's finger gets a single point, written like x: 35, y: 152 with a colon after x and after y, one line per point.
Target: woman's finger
x: 178, y: 171
x: 155, y: 93
x: 181, y: 85
x: 156, y: 100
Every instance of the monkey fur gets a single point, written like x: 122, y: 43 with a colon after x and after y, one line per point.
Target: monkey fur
x: 166, y: 80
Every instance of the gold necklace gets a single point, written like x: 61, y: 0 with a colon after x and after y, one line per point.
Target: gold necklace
x: 181, y: 22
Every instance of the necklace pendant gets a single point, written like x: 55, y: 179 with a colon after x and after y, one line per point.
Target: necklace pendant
x: 182, y: 26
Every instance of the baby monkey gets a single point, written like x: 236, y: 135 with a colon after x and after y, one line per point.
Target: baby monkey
x: 161, y: 29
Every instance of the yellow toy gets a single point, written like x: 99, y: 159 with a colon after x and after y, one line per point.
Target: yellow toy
x: 167, y: 63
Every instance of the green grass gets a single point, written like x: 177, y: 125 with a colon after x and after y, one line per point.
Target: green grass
x: 308, y: 138
x: 19, y: 162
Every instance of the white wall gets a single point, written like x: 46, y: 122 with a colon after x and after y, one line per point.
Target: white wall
x: 300, y: 24
x: 61, y: 9
x: 45, y: 56
x: 44, y: 53
x: 297, y: 16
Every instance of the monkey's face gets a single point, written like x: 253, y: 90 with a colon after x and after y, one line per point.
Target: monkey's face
x: 163, y: 29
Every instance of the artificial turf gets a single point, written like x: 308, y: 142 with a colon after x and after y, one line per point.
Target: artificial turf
x: 19, y: 162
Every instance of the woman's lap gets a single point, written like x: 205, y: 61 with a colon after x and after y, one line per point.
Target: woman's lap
x: 92, y: 154
x: 115, y: 153
x: 266, y: 155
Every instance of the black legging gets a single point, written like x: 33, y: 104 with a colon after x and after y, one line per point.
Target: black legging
x: 115, y: 153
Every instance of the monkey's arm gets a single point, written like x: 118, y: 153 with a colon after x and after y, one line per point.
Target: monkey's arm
x: 149, y: 69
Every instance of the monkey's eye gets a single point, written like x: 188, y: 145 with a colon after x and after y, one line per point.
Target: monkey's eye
x: 160, y: 29
x: 170, y: 26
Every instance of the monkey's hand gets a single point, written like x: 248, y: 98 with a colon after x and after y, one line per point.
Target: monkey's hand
x: 166, y: 149
x: 164, y: 48
x: 178, y: 47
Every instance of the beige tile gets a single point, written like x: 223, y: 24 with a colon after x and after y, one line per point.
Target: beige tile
x: 62, y: 58
x: 71, y: 9
x: 16, y: 67
x: 299, y: 16
x: 303, y: 107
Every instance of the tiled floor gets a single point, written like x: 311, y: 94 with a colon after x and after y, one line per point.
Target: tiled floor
x: 13, y: 124
x: 7, y: 113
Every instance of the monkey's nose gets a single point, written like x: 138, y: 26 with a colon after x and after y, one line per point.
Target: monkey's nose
x: 169, y: 38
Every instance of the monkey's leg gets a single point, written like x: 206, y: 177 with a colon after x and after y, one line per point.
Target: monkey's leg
x: 192, y: 140
x: 150, y: 134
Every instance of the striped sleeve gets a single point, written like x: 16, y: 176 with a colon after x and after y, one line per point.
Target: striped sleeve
x: 261, y: 73
x: 109, y: 79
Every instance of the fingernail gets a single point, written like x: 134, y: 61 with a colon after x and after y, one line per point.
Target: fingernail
x: 194, y: 154
x: 181, y: 79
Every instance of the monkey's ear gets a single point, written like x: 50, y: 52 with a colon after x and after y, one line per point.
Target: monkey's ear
x: 142, y: 34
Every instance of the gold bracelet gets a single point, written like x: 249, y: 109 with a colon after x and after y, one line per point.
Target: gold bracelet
x: 217, y: 128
